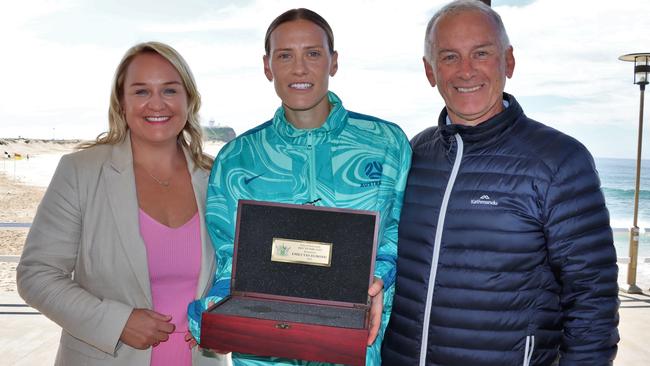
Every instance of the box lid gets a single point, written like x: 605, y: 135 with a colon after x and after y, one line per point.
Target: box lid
x: 351, y: 233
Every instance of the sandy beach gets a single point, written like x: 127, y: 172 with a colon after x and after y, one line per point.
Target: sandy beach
x: 23, y: 183
x: 19, y: 203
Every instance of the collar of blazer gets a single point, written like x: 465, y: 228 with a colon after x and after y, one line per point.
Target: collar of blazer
x: 122, y: 159
x: 120, y: 185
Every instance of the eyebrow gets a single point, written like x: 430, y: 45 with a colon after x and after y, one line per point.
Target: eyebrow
x: 137, y: 83
x: 488, y: 44
x: 291, y: 49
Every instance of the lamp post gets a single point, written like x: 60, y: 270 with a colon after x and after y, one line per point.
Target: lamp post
x: 641, y: 71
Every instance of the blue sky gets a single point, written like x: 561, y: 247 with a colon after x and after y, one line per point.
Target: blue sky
x: 58, y: 59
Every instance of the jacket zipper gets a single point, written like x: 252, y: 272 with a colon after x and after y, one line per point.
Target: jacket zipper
x: 436, y: 250
x: 312, y: 167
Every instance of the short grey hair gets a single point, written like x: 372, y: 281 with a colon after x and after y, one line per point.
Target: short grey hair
x: 459, y: 6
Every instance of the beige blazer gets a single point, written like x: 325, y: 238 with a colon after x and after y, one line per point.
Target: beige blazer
x: 84, y: 264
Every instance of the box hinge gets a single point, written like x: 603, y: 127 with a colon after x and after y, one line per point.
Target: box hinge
x: 283, y: 326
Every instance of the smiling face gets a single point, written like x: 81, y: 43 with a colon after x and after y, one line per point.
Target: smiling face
x: 154, y: 101
x: 300, y: 64
x: 469, y: 66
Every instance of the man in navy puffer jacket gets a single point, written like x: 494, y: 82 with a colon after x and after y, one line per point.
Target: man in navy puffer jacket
x: 505, y: 250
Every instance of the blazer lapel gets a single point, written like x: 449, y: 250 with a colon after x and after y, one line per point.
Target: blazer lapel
x: 120, y: 183
x: 200, y: 183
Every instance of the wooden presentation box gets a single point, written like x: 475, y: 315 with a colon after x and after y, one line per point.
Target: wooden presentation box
x: 299, y: 285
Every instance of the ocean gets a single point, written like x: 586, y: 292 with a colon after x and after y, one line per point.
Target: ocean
x: 617, y: 179
x: 616, y: 176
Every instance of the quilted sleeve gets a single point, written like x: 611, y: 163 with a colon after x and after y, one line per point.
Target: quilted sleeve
x: 219, y: 218
x: 582, y: 255
x: 387, y: 249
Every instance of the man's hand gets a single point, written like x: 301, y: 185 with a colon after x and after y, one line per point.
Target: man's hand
x: 146, y: 328
x: 376, y: 292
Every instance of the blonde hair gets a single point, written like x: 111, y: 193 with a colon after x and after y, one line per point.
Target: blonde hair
x: 191, y: 135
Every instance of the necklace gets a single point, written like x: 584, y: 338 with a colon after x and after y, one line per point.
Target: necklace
x: 164, y: 183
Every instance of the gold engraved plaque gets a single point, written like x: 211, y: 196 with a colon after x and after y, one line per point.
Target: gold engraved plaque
x: 312, y: 253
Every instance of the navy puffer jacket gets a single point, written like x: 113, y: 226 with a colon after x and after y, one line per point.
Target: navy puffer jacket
x: 508, y: 221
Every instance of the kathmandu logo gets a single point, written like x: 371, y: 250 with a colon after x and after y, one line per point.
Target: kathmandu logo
x: 484, y: 200
x: 373, y: 170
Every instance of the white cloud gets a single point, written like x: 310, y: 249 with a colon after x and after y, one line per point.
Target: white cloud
x: 567, y: 72
x: 570, y: 49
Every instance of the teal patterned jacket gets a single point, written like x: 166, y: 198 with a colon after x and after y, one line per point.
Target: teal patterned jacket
x: 352, y: 161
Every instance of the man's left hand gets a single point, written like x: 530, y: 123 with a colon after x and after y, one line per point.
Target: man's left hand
x: 376, y: 292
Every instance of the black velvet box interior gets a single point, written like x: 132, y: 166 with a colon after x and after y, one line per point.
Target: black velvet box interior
x: 291, y: 291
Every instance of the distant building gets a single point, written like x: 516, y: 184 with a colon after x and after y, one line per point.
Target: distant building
x: 218, y: 133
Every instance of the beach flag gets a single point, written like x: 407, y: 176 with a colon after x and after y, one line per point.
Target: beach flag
x: 15, y: 156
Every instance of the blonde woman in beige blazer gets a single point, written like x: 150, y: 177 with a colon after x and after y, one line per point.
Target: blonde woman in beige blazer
x: 84, y: 264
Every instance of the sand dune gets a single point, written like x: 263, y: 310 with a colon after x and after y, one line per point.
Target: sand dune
x: 35, y: 147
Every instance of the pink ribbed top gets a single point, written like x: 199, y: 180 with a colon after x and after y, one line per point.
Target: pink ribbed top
x: 174, y: 259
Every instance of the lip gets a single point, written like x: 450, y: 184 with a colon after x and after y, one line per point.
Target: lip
x: 468, y: 89
x: 301, y: 86
x: 157, y: 119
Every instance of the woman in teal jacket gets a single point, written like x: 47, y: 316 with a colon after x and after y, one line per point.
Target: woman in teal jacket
x: 312, y: 151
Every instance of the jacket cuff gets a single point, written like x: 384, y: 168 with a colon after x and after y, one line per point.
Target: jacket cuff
x: 119, y: 314
x: 386, y: 272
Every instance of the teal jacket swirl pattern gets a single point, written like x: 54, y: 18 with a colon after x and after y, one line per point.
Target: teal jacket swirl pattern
x: 351, y: 161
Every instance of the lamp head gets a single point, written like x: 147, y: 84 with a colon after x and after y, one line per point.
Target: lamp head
x: 641, y: 67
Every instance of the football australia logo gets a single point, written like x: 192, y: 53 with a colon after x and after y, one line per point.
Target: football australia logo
x: 484, y: 200
x: 373, y: 171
